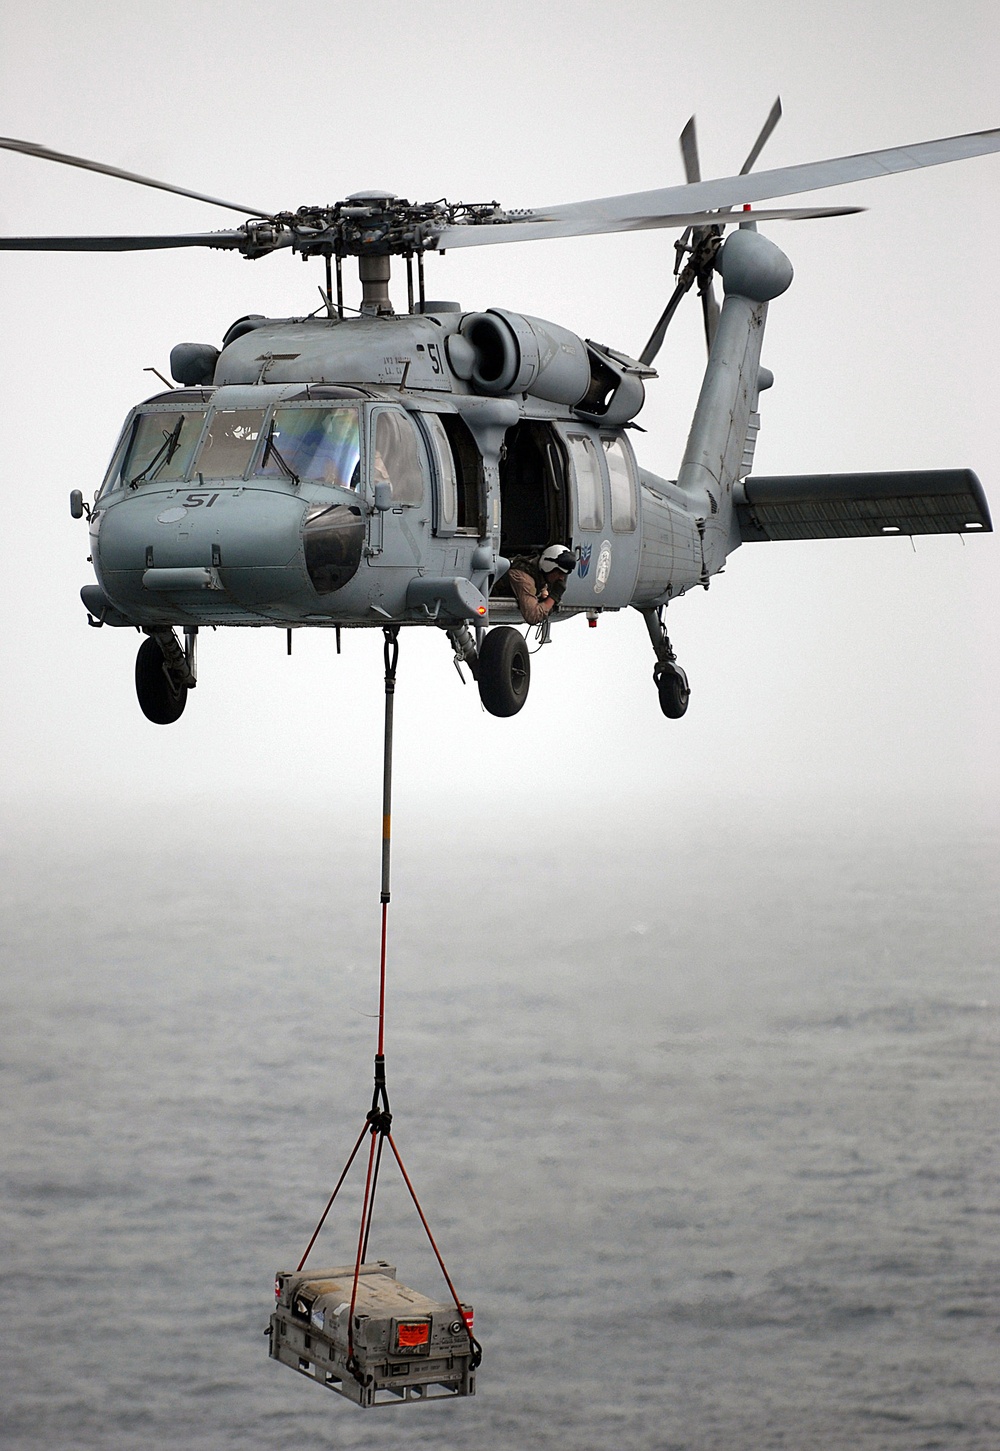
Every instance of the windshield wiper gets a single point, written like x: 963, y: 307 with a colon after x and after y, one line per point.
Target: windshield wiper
x: 271, y: 447
x: 162, y: 456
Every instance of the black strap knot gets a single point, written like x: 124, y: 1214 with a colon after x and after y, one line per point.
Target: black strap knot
x: 380, y: 1120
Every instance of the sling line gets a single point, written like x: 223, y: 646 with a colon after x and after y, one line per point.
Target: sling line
x: 378, y: 1120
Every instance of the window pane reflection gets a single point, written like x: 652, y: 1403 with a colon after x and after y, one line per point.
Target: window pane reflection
x: 231, y: 438
x: 162, y: 445
x: 623, y: 512
x: 447, y: 483
x: 589, y: 491
x: 397, y: 457
x: 321, y: 444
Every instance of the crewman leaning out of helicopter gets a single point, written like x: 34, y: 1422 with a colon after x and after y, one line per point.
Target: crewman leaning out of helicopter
x: 539, y: 580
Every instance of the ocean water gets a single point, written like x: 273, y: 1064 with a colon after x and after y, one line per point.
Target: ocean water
x: 704, y: 1117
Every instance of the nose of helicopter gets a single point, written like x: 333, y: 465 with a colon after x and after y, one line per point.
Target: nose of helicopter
x: 233, y: 552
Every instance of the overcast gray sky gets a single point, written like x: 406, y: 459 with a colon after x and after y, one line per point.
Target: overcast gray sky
x: 842, y: 670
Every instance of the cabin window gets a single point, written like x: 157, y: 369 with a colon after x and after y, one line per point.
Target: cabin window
x: 446, y: 518
x: 589, y: 483
x: 460, y: 474
x: 469, y: 471
x: 230, y: 441
x: 161, y: 447
x: 319, y: 444
x: 397, y: 457
x: 623, y: 507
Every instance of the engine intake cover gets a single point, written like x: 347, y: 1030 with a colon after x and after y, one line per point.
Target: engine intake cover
x: 518, y: 354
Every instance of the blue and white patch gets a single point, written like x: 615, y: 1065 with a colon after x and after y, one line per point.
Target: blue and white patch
x: 583, y: 568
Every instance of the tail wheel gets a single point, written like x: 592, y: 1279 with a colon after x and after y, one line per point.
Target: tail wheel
x: 674, y: 692
x: 504, y: 671
x: 159, y: 700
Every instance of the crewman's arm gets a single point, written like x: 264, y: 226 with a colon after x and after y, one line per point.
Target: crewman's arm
x: 533, y: 609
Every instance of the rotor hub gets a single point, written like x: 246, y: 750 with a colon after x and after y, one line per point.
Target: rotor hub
x: 373, y: 224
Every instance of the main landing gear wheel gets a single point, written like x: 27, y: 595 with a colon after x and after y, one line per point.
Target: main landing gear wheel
x: 159, y: 700
x: 673, y: 690
x: 504, y: 671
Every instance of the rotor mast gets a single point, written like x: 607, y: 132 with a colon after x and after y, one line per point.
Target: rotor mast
x: 374, y: 226
x: 374, y: 273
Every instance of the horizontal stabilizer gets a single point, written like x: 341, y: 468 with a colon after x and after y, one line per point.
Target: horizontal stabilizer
x: 852, y: 506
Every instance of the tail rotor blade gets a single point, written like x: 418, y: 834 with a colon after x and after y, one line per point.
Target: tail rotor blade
x: 774, y: 117
x: 689, y: 152
x: 709, y: 312
x: 692, y: 241
x: 659, y: 332
x: 700, y: 236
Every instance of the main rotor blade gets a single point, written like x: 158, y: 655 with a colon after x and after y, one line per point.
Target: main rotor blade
x: 30, y: 148
x: 774, y: 116
x: 673, y: 206
x: 520, y: 231
x: 227, y: 240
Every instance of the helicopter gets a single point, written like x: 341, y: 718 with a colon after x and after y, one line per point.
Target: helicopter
x: 385, y: 470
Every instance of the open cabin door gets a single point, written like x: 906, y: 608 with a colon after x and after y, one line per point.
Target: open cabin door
x: 533, y: 504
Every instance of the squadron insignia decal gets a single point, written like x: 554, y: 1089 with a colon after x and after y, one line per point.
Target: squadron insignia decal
x: 603, y: 566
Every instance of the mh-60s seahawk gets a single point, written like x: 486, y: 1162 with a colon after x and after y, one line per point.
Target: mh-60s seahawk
x: 383, y: 470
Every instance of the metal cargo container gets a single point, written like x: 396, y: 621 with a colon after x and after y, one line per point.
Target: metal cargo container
x: 407, y: 1347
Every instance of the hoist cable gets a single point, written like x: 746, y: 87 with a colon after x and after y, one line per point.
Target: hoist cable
x: 379, y: 1116
x: 390, y: 654
x: 378, y: 1121
x: 381, y: 982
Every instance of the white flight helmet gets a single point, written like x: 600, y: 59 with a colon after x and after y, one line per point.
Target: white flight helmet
x: 557, y: 556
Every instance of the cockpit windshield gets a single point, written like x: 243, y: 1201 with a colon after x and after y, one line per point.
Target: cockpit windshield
x: 168, y: 445
x: 320, y: 444
x: 161, y: 447
x: 231, y: 439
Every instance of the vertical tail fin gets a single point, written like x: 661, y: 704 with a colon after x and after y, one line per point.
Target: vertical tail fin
x: 754, y: 271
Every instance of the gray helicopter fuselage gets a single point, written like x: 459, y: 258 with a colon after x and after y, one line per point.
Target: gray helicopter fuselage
x: 386, y: 471
x: 388, y: 468
x: 221, y: 529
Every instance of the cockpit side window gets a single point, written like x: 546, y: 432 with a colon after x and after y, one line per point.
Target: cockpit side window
x: 161, y: 447
x: 397, y: 457
x: 320, y: 444
x: 113, y: 477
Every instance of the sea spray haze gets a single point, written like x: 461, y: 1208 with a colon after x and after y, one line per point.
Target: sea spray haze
x: 703, y: 1112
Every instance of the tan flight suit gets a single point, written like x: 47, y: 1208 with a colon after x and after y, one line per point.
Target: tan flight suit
x: 527, y: 582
